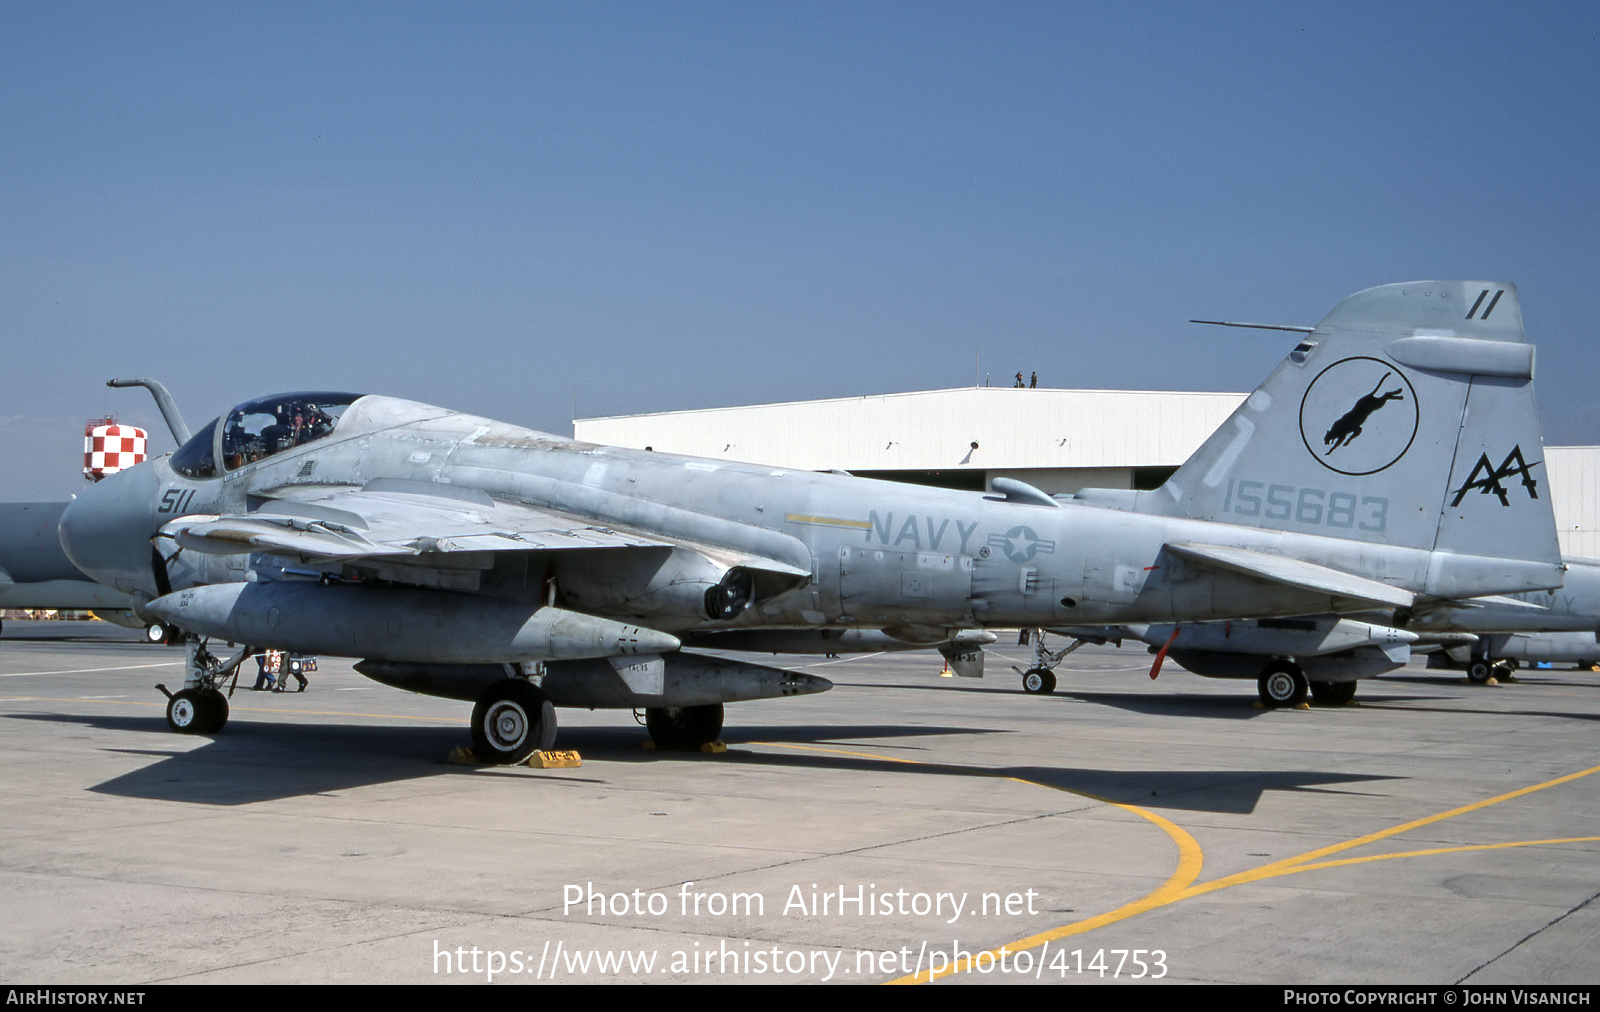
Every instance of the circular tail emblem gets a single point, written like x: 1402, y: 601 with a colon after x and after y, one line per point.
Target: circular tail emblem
x: 1359, y: 416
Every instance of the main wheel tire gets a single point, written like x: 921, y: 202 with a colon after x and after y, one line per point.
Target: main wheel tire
x: 512, y: 720
x: 157, y: 633
x: 186, y: 711
x: 213, y: 710
x: 1480, y: 672
x: 1282, y: 684
x: 1333, y: 693
x: 683, y: 728
x: 1039, y: 681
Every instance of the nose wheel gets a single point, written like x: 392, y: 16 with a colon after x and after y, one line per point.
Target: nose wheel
x: 1040, y: 678
x: 1039, y: 681
x: 200, y: 706
x: 197, y: 711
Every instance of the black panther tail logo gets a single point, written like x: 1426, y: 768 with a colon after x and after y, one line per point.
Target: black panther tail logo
x: 1348, y: 427
x: 1370, y: 424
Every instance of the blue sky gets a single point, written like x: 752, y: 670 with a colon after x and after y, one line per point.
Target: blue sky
x: 512, y: 209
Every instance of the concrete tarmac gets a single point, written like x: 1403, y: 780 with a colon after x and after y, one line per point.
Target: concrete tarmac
x: 1120, y: 830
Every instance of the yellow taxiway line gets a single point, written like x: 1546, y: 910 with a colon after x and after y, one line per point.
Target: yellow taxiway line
x: 1181, y: 884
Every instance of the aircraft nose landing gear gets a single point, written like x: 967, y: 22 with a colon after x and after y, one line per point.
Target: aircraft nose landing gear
x: 1038, y: 681
x: 196, y: 711
x: 1040, y: 678
x: 200, y: 706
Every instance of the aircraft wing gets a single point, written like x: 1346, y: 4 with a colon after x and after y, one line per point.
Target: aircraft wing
x: 410, y: 522
x: 1493, y: 601
x: 1294, y: 573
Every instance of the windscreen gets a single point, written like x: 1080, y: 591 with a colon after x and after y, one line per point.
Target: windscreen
x: 258, y: 429
x: 195, y: 459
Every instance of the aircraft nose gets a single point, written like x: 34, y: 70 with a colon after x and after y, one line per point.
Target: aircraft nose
x: 106, y: 529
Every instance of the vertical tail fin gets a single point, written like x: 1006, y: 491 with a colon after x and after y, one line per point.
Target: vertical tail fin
x: 1406, y: 417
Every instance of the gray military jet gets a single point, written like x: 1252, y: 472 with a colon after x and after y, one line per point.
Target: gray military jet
x: 36, y: 573
x: 1555, y: 624
x: 1327, y: 654
x: 1287, y: 657
x: 473, y: 559
x: 1512, y: 650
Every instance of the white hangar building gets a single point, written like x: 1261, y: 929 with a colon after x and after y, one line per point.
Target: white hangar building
x: 1057, y: 440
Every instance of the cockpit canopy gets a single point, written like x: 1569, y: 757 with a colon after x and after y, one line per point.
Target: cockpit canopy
x: 260, y: 428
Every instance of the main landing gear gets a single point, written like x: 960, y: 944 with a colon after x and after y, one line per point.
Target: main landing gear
x: 512, y: 720
x: 684, y: 728
x: 1482, y: 670
x: 1333, y: 693
x: 1282, y: 684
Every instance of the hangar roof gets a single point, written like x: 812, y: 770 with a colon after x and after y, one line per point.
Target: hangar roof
x: 936, y: 429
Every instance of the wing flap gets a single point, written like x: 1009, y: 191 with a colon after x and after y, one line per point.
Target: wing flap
x: 1294, y: 573
x: 1496, y: 601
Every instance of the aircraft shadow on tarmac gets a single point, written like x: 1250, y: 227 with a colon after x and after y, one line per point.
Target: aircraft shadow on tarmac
x: 1230, y: 792
x: 254, y: 762
x: 1234, y: 792
x: 264, y: 761
x: 1224, y: 791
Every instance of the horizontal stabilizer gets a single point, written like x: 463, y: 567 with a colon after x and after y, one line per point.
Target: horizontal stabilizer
x: 1294, y: 573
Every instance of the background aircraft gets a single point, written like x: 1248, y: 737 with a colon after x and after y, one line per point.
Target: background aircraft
x: 36, y: 573
x: 1327, y: 654
x: 473, y: 559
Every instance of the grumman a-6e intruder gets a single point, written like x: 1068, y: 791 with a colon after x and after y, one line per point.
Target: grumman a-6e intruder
x: 472, y: 559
